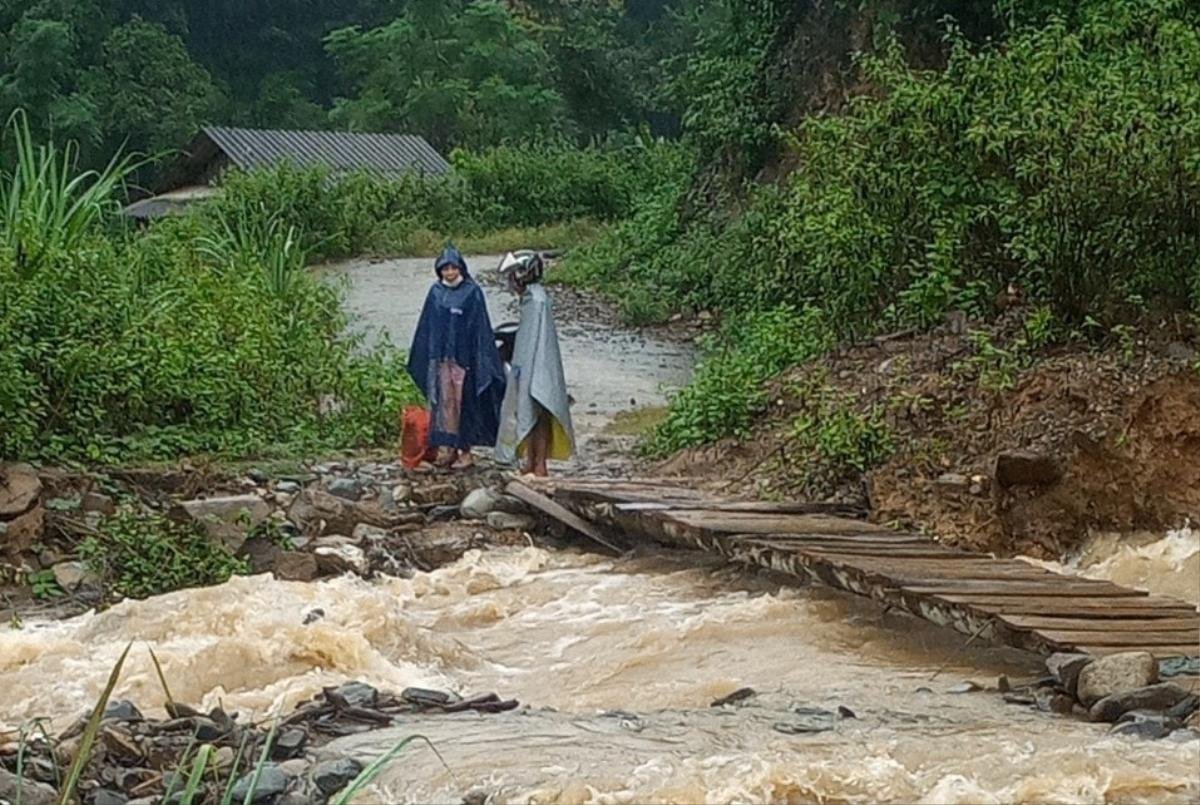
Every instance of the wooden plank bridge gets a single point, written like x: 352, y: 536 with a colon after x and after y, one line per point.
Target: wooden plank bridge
x: 1005, y: 601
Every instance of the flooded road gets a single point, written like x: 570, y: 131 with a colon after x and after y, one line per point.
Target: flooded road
x: 608, y: 370
x: 616, y: 663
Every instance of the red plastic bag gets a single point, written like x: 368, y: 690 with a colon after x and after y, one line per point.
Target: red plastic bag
x: 414, y: 437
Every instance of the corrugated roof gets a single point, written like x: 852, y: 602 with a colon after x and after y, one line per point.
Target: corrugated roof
x: 338, y: 150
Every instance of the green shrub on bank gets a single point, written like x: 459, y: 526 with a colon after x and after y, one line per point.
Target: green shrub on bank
x: 204, y: 334
x: 1062, y: 163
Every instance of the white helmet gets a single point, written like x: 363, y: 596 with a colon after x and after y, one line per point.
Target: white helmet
x: 523, y: 266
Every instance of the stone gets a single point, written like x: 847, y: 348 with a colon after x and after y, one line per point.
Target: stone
x: 1116, y: 673
x: 1020, y: 468
x: 32, y: 792
x: 346, y: 488
x: 258, y: 476
x: 262, y: 553
x: 479, y: 503
x: 503, y: 521
x: 1152, y: 697
x: 313, y: 615
x: 963, y: 687
x: 1185, y: 708
x: 121, y: 710
x: 272, y: 782
x: 296, y: 566
x: 365, y: 532
x: 402, y: 493
x: 225, y: 519
x: 1179, y: 351
x: 341, y: 559
x: 445, y: 494
x: 332, y: 776
x: 289, y: 744
x: 1065, y: 669
x: 739, y: 695
x: 952, y: 482
x: 287, y: 487
x: 20, y: 489
x: 106, y: 796
x: 315, y: 512
x: 295, y: 798
x: 73, y: 575
x: 1145, y: 724
x: 22, y: 532
x: 96, y: 502
x: 1193, y: 721
x: 355, y: 694
x: 294, y: 767
x: 1054, y: 701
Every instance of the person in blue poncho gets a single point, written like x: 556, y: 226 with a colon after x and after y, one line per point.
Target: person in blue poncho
x: 455, y: 363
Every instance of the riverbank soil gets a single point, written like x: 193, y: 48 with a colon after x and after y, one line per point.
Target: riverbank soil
x: 987, y: 443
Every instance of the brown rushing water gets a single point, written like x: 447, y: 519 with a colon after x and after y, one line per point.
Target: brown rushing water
x: 575, y: 637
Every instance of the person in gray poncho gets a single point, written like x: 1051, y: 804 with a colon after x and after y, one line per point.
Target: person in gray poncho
x: 535, y: 417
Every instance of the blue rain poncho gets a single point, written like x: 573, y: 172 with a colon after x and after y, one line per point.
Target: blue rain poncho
x: 535, y: 382
x: 455, y: 363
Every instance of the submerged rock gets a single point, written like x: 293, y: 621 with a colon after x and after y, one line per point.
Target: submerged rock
x: 1116, y: 673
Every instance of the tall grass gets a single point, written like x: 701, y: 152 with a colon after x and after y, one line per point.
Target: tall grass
x: 88, y: 738
x: 47, y: 205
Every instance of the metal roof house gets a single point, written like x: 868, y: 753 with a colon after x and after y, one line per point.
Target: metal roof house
x: 217, y: 149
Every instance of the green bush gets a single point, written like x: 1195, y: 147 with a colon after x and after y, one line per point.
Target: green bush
x: 1062, y: 162
x: 139, y: 555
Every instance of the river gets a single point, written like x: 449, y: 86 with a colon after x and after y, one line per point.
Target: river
x: 615, y: 662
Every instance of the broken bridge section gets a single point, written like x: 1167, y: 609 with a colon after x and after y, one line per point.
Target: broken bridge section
x: 1005, y: 601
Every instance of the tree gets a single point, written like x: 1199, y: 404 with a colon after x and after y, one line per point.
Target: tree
x: 150, y: 94
x: 459, y: 74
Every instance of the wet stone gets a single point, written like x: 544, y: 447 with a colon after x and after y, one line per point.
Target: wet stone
x: 739, y: 695
x: 1116, y: 673
x: 1185, y: 708
x: 1152, y: 697
x: 313, y: 615
x: 287, y: 487
x: 355, y: 694
x: 258, y: 476
x: 272, y: 782
x: 1145, y: 724
x: 333, y: 775
x: 121, y: 710
x: 1065, y: 668
x: 1054, y: 701
x: 289, y: 744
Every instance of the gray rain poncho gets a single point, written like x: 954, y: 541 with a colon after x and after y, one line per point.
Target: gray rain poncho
x: 535, y: 381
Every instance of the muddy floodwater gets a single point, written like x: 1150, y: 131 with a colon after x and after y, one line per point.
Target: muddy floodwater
x: 615, y: 663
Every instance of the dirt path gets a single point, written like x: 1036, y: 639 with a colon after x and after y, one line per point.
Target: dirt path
x: 609, y: 369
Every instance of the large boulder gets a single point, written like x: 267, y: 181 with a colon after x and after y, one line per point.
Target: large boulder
x: 1152, y: 697
x: 1116, y: 673
x: 317, y: 512
x: 227, y: 520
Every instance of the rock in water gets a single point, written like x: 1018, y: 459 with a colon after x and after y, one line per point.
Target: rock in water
x: 1152, y: 697
x: 355, y: 694
x: 335, y: 560
x: 333, y: 775
x: 1116, y: 673
x: 296, y: 566
x: 479, y: 503
x: 272, y: 782
x: 1065, y: 668
x: 1145, y: 724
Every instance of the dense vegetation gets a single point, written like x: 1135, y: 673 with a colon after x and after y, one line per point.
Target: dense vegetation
x: 1061, y: 164
x: 842, y: 168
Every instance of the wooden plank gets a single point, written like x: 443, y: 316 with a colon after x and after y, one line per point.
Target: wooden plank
x: 1070, y: 606
x: 568, y: 518
x: 1054, y: 587
x: 753, y: 507
x: 1081, y: 624
x: 1185, y: 637
x: 751, y: 523
x: 1185, y: 650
